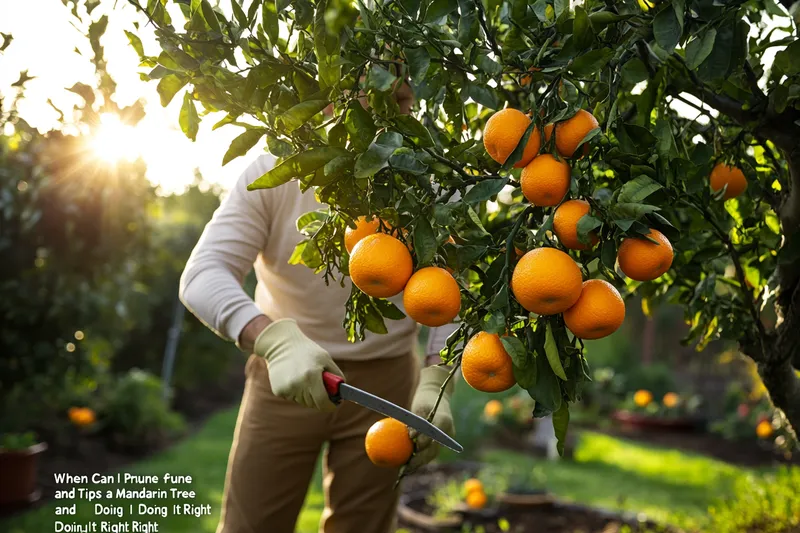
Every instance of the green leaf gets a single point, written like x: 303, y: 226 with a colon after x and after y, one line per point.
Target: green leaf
x: 312, y: 216
x: 188, y: 119
x: 297, y: 166
x: 547, y: 389
x: 242, y: 144
x: 700, y: 48
x: 608, y: 253
x: 424, y: 241
x: 374, y: 323
x: 278, y: 147
x: 326, y: 47
x: 636, y: 190
x: 560, y: 425
x: 634, y: 211
x: 388, y: 309
x: 667, y: 28
x: 495, y: 322
x: 301, y: 113
x: 440, y: 8
x: 553, y: 356
x: 411, y: 127
x: 634, y: 71
x: 210, y: 16
x: 379, y: 78
x: 419, y: 60
x: 468, y: 28
x: 516, y: 155
x: 405, y: 160
x: 484, y: 190
x: 582, y: 33
x: 591, y: 62
x: 377, y: 155
x: 586, y: 225
x: 488, y: 65
x: 588, y: 137
x: 168, y: 87
x: 788, y: 60
x: 481, y: 94
x: 238, y: 12
x: 718, y: 62
x: 467, y: 255
x: 269, y: 19
x: 133, y: 39
x: 560, y: 6
x: 515, y: 349
x: 360, y: 126
x: 601, y: 19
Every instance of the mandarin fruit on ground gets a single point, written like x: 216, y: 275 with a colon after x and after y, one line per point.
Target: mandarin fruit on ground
x: 432, y: 297
x: 473, y: 484
x: 733, y: 177
x: 546, y: 281
x: 599, y: 311
x: 565, y: 224
x: 503, y: 132
x: 643, y: 260
x: 545, y: 180
x: 570, y: 132
x: 485, y: 364
x: 476, y: 499
x: 387, y: 443
x: 380, y: 265
x: 363, y: 228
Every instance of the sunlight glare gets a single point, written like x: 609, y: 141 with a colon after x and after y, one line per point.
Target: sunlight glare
x: 114, y: 140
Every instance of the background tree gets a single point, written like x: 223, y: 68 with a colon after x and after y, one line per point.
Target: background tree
x: 273, y: 66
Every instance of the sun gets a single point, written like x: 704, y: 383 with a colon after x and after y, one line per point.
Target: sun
x: 115, y: 141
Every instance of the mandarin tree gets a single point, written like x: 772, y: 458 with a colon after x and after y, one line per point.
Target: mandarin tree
x: 628, y: 106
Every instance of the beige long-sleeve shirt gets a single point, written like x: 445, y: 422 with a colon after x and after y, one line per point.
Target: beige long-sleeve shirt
x: 257, y: 229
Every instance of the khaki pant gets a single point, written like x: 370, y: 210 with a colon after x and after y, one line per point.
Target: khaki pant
x: 277, y: 443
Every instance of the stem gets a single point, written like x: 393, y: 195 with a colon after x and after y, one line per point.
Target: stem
x: 489, y: 35
x: 443, y: 388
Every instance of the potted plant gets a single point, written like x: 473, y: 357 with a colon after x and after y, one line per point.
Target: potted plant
x: 673, y: 413
x: 19, y: 460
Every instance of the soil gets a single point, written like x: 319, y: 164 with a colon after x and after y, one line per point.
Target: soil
x: 91, y: 454
x: 742, y: 453
x: 551, y: 517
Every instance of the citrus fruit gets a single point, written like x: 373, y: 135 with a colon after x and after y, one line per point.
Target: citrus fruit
x: 432, y: 297
x: 485, y: 364
x: 565, y: 224
x: 642, y: 398
x: 545, y: 180
x: 733, y: 177
x: 599, y: 311
x: 363, y: 228
x: 476, y: 499
x: 643, y: 260
x: 492, y: 408
x: 503, y: 132
x: 526, y: 79
x: 570, y: 132
x: 546, y: 281
x: 387, y: 443
x: 473, y: 484
x: 764, y: 429
x: 670, y: 400
x: 380, y: 265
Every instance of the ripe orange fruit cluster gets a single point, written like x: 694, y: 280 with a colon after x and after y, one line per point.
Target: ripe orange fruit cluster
x: 565, y: 224
x: 382, y: 267
x: 503, y: 132
x: 475, y: 495
x: 642, y: 398
x: 643, y: 260
x: 485, y: 364
x: 387, y: 443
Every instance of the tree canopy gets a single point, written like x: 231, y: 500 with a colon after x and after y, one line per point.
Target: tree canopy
x: 677, y: 87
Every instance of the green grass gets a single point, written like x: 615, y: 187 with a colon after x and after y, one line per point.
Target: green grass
x: 667, y: 485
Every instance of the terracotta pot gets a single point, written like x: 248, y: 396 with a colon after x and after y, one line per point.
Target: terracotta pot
x: 653, y: 423
x: 18, y: 475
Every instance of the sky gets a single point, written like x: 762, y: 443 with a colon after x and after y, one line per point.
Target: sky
x: 44, y: 45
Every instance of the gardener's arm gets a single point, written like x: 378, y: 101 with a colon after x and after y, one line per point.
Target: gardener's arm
x: 211, y: 288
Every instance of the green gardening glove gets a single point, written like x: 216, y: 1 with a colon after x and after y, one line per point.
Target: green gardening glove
x: 430, y: 383
x: 295, y: 364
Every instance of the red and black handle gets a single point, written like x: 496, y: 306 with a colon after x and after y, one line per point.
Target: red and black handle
x: 332, y: 382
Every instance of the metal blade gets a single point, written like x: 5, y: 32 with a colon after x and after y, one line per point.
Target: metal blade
x: 370, y: 401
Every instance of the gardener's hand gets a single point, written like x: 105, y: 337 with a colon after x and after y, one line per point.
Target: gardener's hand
x: 430, y: 383
x: 295, y: 364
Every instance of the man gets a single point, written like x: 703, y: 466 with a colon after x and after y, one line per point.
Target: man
x: 294, y: 331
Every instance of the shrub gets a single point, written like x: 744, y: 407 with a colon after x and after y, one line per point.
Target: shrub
x: 136, y: 415
x: 761, y: 504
